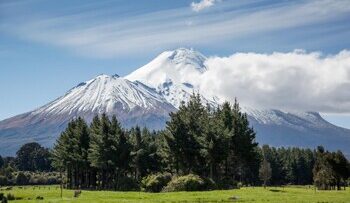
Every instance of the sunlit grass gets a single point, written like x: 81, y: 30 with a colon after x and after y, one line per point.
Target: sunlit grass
x: 249, y: 194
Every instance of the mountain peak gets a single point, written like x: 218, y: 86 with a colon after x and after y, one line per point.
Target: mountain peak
x: 186, y: 56
x: 102, y: 76
x: 172, y: 74
x: 170, y: 65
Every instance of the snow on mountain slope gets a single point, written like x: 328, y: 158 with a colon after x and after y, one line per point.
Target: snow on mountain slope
x: 172, y: 74
x: 179, y: 66
x: 278, y: 117
x: 132, y: 102
x: 103, y: 94
x: 309, y: 130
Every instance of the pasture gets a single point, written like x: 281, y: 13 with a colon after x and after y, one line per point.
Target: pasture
x: 290, y: 194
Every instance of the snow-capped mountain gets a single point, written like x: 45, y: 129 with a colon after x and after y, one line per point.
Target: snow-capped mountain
x: 148, y: 95
x: 132, y: 102
x: 172, y: 74
x: 107, y: 94
x: 298, y: 129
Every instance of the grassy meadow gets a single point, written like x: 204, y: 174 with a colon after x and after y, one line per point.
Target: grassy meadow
x: 248, y: 194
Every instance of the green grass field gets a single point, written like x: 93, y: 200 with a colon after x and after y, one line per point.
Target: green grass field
x: 249, y: 194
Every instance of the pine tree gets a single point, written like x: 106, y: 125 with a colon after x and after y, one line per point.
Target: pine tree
x: 145, y: 155
x: 81, y: 139
x: 185, y: 136
x: 109, y: 151
x: 244, y: 156
x: 137, y: 151
x: 341, y: 168
x: 278, y: 172
x: 101, y: 148
x: 216, y: 143
x: 62, y: 158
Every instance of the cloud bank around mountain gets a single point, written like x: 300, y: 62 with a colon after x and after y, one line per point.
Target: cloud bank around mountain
x: 289, y: 81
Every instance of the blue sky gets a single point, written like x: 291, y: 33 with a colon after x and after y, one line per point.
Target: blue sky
x: 47, y: 47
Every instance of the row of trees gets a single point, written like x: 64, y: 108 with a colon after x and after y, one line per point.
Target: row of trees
x: 214, y: 143
x: 217, y: 144
x: 327, y: 170
x: 331, y: 170
x: 289, y: 165
x: 30, y: 157
x: 104, y: 155
x: 31, y: 165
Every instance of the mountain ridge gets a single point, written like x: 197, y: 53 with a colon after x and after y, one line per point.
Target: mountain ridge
x: 146, y: 96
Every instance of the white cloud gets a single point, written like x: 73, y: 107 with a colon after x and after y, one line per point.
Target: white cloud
x: 289, y: 81
x: 202, y: 5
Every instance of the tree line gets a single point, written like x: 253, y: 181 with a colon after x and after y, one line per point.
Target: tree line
x: 214, y: 143
x: 326, y: 170
x: 199, y: 142
x: 30, y: 166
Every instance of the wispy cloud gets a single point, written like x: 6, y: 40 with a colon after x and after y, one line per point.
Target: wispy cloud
x: 203, y: 4
x: 102, y: 34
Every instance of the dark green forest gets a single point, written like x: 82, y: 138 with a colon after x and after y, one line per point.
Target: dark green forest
x: 202, y: 148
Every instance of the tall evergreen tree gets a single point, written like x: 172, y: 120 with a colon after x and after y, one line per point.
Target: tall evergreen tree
x: 185, y: 136
x: 243, y: 148
x: 216, y: 143
x: 70, y: 154
x: 62, y: 153
x: 278, y: 172
x: 146, y: 159
x: 109, y: 151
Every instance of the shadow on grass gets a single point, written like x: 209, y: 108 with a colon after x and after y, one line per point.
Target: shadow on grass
x: 275, y: 190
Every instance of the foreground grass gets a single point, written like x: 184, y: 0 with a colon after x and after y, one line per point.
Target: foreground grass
x: 257, y: 194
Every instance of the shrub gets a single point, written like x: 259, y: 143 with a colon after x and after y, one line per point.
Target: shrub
x: 209, y: 184
x: 127, y: 184
x: 21, y: 179
x: 4, y: 200
x: 227, y: 183
x: 77, y: 193
x: 189, y: 182
x: 3, y: 180
x: 1, y: 196
x: 39, y: 198
x: 10, y: 196
x: 155, y: 182
x: 42, y: 180
x: 52, y: 180
x: 33, y: 180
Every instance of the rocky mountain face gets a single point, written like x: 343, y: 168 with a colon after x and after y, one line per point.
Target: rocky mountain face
x: 147, y: 95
